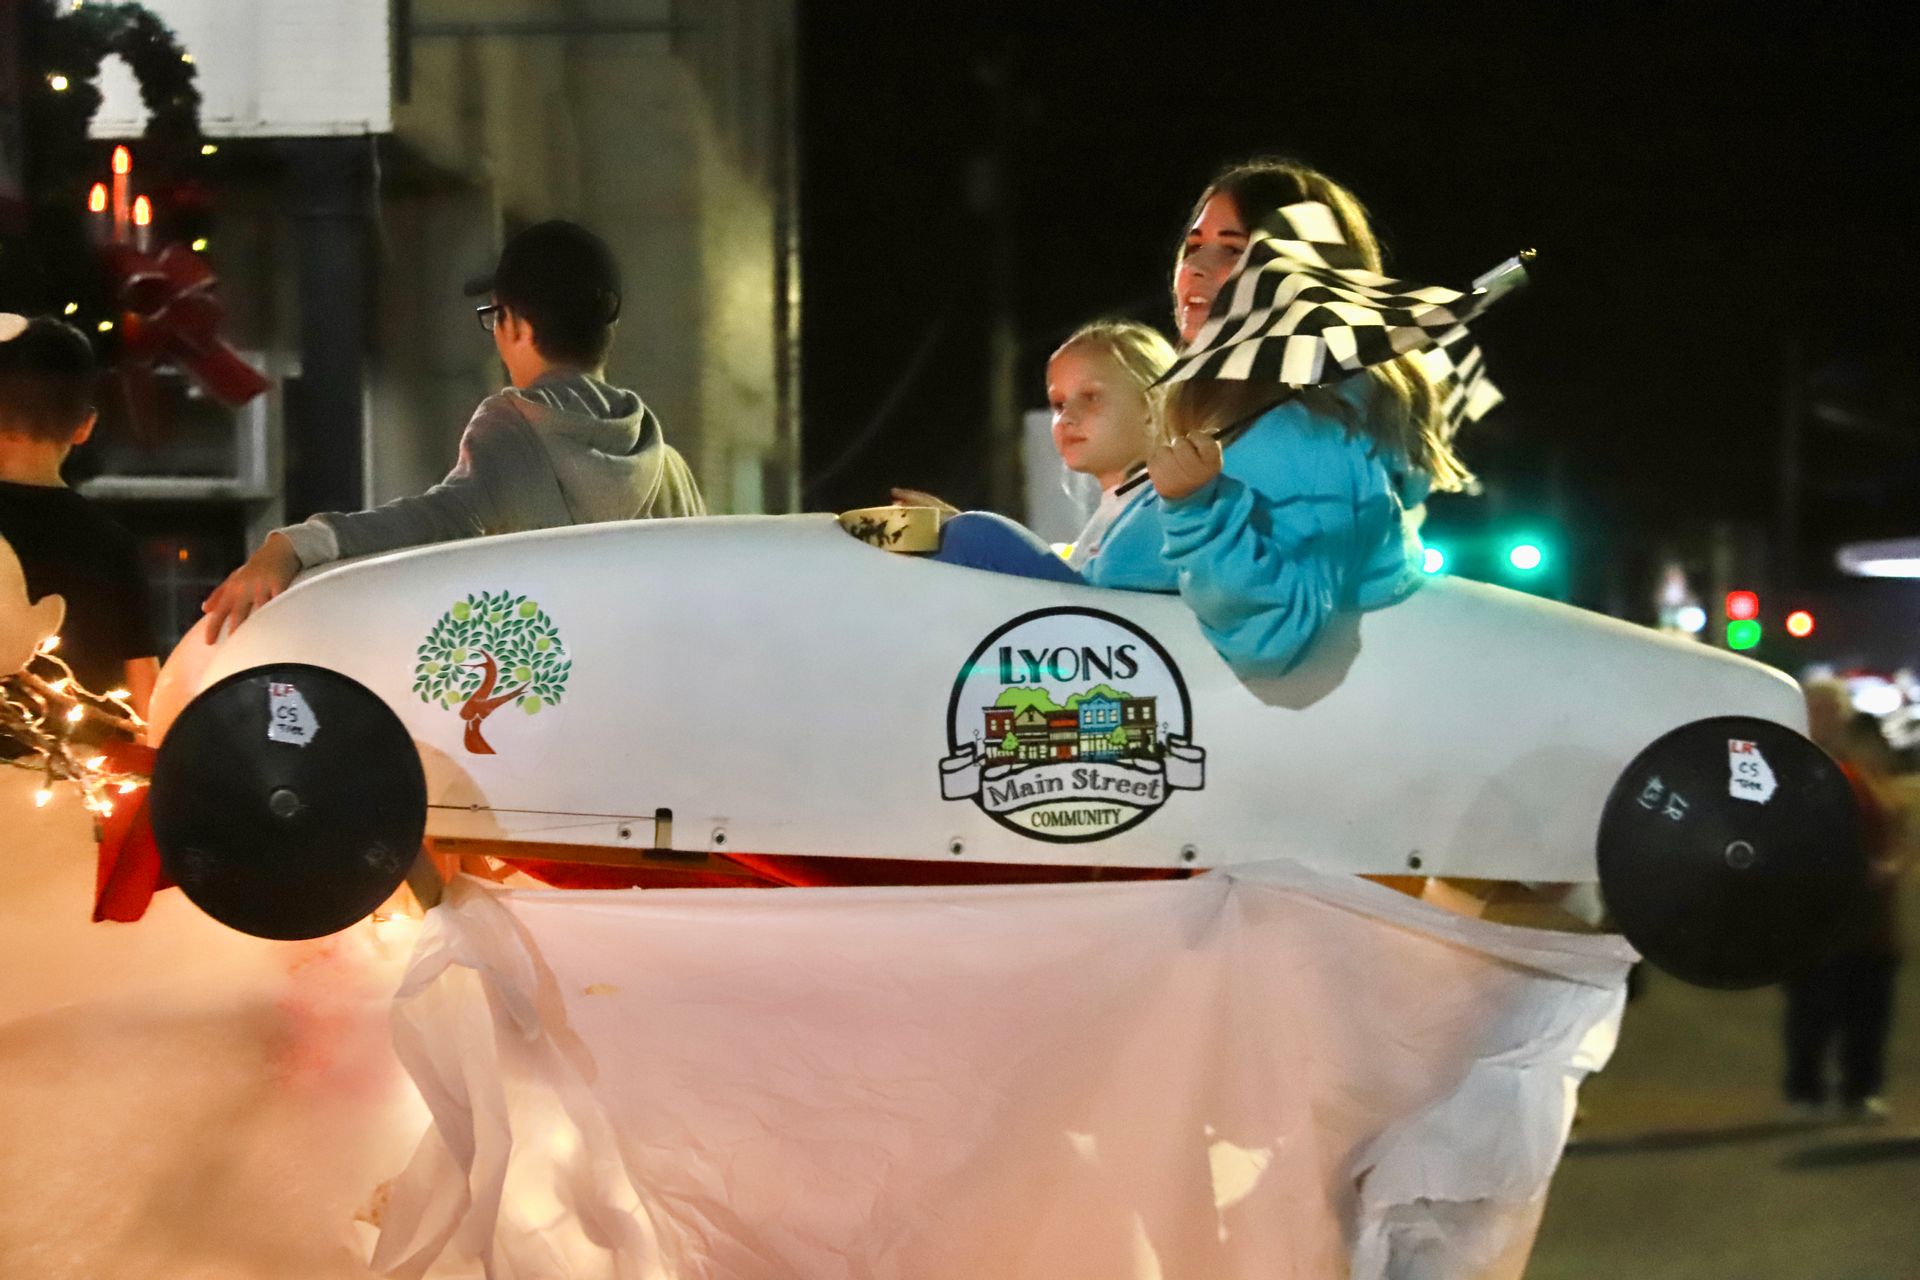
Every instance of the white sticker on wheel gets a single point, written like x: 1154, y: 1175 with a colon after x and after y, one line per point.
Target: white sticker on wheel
x: 289, y: 719
x: 1749, y: 776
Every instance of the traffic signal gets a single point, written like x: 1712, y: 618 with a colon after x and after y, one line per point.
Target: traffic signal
x: 1743, y: 606
x: 1526, y: 556
x: 1800, y: 624
x: 1743, y: 633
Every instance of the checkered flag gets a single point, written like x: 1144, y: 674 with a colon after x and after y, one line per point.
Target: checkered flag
x: 1301, y: 308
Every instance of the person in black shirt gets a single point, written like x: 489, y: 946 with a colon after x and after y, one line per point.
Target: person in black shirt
x: 65, y: 545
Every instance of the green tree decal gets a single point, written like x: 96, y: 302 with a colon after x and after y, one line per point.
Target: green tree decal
x: 487, y: 651
x: 1118, y: 739
x: 1009, y: 745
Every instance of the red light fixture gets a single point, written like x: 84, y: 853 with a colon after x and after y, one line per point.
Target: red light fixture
x: 1743, y: 606
x: 1800, y: 624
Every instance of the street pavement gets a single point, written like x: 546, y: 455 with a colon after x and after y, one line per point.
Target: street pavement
x: 1686, y: 1165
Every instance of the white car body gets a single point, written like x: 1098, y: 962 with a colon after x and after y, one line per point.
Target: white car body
x: 783, y: 688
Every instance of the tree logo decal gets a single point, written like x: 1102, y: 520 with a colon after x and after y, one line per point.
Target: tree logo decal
x: 487, y: 651
x: 1068, y: 725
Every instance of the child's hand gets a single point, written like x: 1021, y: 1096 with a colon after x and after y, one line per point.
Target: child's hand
x: 264, y: 576
x: 1186, y: 466
x: 915, y: 498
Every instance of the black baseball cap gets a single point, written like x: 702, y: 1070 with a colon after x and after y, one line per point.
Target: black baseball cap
x: 558, y: 270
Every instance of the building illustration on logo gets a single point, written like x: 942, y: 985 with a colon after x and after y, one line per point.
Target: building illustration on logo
x: 486, y: 652
x: 1069, y: 725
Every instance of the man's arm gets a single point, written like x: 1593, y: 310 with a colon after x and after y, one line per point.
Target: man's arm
x: 264, y: 576
x: 502, y: 482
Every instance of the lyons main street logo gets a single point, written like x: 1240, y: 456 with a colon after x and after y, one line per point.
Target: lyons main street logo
x: 488, y: 651
x: 1069, y: 725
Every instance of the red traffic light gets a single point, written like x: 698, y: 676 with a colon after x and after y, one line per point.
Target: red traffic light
x: 1800, y: 624
x: 1742, y: 606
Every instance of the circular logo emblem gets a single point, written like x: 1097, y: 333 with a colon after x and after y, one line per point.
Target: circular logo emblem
x: 1069, y: 725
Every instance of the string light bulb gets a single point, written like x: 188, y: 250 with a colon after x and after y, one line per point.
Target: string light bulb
x: 96, y: 203
x: 50, y: 644
x: 208, y: 149
x: 41, y: 797
x: 70, y: 308
x: 76, y: 714
x: 122, y: 160
x: 142, y: 211
x: 57, y: 82
x: 105, y: 326
x: 200, y: 245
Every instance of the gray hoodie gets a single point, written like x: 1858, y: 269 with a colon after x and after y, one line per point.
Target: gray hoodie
x: 568, y: 449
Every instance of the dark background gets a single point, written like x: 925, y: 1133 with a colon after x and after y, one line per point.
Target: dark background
x: 1721, y: 332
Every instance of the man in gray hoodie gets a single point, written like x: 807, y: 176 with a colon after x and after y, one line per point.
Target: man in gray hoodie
x: 559, y: 446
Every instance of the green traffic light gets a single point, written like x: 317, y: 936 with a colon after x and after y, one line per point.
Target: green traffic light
x: 1743, y: 633
x: 1526, y: 556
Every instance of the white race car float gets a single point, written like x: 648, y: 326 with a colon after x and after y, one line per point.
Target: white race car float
x: 673, y: 692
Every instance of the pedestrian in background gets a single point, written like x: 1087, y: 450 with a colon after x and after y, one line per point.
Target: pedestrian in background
x: 1844, y: 1002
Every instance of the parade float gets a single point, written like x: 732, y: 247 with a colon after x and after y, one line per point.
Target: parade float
x: 1263, y: 1056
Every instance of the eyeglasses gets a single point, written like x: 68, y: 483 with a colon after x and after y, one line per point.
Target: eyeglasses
x: 488, y: 316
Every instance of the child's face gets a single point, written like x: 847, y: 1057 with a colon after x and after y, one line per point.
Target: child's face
x: 1213, y: 247
x: 1099, y: 413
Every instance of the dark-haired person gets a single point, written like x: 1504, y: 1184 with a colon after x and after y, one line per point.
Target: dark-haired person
x: 65, y: 545
x: 559, y: 446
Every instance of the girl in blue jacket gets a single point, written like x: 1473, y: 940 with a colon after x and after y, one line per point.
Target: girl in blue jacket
x: 1311, y: 509
x: 1314, y: 507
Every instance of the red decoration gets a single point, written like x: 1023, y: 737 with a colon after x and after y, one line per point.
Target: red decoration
x: 170, y: 316
x: 129, y: 871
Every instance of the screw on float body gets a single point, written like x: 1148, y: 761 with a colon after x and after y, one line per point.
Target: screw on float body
x: 1189, y: 852
x: 719, y: 835
x: 626, y: 832
x: 1413, y: 860
x: 284, y: 802
x: 1740, y: 855
x: 956, y: 846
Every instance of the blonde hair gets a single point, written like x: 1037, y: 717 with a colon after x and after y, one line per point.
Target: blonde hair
x: 1402, y: 408
x: 1137, y: 348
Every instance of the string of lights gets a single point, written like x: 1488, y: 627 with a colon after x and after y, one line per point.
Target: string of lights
x: 40, y: 714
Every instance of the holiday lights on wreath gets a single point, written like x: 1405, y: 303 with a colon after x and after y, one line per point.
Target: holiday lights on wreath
x: 39, y: 714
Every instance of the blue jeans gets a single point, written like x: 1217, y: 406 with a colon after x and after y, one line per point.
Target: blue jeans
x: 983, y: 540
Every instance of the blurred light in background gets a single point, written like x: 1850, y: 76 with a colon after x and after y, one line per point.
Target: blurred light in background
x: 1690, y: 618
x: 1525, y: 556
x: 1433, y: 560
x: 1800, y: 624
x: 1743, y: 606
x: 1743, y: 633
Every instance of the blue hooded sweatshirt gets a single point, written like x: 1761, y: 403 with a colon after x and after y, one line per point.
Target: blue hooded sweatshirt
x: 1304, y: 519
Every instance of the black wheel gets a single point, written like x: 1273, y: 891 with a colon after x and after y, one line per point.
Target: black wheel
x: 288, y: 801
x: 1730, y: 852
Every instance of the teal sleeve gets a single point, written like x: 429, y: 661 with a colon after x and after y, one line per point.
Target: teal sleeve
x: 1254, y: 568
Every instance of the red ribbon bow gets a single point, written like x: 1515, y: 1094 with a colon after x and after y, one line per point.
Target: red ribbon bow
x: 170, y: 316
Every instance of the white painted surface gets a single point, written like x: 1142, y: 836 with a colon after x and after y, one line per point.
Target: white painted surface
x: 784, y: 689
x: 270, y: 69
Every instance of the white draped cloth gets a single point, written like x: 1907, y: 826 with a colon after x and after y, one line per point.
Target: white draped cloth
x: 1268, y: 1073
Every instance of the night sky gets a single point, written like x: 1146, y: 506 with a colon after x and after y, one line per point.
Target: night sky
x: 1718, y: 201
